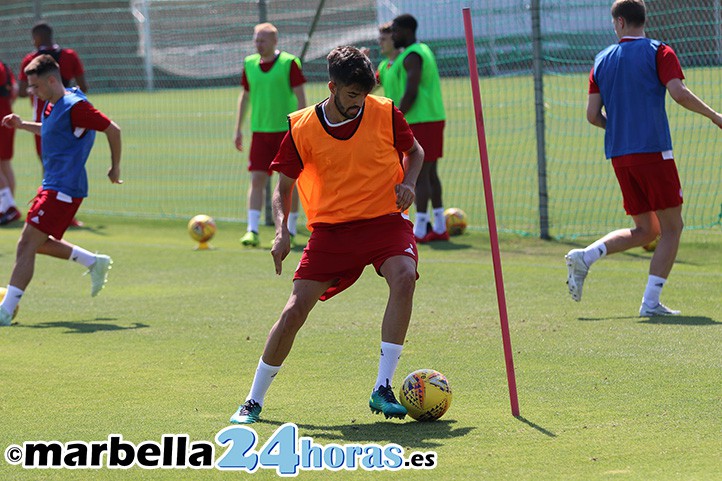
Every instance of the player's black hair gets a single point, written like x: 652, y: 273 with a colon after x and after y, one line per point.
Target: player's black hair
x: 349, y: 66
x: 42, y: 29
x: 406, y: 21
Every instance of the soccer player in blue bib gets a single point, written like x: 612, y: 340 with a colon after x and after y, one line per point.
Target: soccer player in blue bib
x: 627, y: 88
x: 68, y: 127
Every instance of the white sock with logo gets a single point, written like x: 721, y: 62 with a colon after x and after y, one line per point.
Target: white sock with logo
x: 653, y: 290
x: 422, y: 218
x: 12, y: 299
x: 439, y: 221
x: 83, y: 257
x: 389, y: 359
x: 265, y: 373
x: 593, y: 252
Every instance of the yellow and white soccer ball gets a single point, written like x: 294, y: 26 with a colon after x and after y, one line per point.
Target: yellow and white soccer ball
x: 652, y: 245
x: 456, y: 221
x: 202, y: 228
x: 426, y: 394
x: 4, y: 291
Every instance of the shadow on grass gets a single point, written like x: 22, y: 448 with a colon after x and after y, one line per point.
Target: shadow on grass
x: 682, y: 320
x: 446, y: 246
x: 545, y: 432
x: 100, y: 229
x: 414, y: 435
x: 668, y: 320
x: 86, y: 327
x: 609, y: 318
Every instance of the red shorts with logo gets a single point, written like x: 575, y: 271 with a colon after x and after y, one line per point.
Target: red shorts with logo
x: 340, y: 252
x: 431, y: 137
x: 264, y: 147
x: 7, y: 142
x: 52, y: 212
x: 649, y: 182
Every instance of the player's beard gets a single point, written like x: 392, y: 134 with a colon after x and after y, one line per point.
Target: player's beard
x: 343, y: 111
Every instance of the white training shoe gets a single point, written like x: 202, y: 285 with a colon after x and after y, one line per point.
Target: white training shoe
x: 5, y: 317
x: 658, y: 310
x: 99, y: 273
x: 577, y: 272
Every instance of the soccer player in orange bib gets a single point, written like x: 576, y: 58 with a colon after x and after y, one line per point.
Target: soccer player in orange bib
x: 343, y: 156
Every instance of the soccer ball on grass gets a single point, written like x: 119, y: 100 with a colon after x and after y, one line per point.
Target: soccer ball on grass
x: 425, y: 394
x: 202, y: 228
x: 456, y: 221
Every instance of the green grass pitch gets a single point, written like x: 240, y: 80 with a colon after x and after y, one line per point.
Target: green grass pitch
x: 179, y: 159
x: 171, y: 344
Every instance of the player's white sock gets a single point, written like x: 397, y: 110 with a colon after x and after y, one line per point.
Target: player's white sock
x: 593, y: 252
x: 81, y: 256
x: 653, y: 290
x: 254, y: 218
x: 262, y: 381
x: 6, y: 199
x: 439, y: 221
x: 422, y: 218
x: 389, y: 359
x: 292, y: 223
x: 12, y: 298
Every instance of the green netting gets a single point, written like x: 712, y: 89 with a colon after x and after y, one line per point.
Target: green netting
x: 168, y: 72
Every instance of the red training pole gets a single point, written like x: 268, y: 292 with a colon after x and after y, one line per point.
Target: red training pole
x: 491, y: 217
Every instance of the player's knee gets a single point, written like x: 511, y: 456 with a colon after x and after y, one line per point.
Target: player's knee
x: 292, y: 319
x: 25, y: 247
x: 650, y: 236
x: 404, y: 282
x: 673, y: 228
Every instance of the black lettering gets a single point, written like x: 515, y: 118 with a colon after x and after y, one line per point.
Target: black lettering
x: 149, y: 454
x: 76, y: 455
x: 167, y: 450
x: 180, y: 455
x: 117, y: 445
x: 417, y: 460
x: 48, y: 454
x: 201, y: 455
x: 96, y: 450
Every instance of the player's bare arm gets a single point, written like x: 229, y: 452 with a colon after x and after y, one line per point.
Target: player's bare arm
x: 412, y: 64
x: 82, y: 83
x: 406, y: 190
x: 687, y: 99
x: 281, y: 206
x: 13, y: 121
x: 595, y: 115
x: 23, y: 88
x: 242, y: 108
x: 301, y: 96
x: 114, y: 142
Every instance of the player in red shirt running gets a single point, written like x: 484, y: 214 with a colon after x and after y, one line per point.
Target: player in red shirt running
x: 71, y: 68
